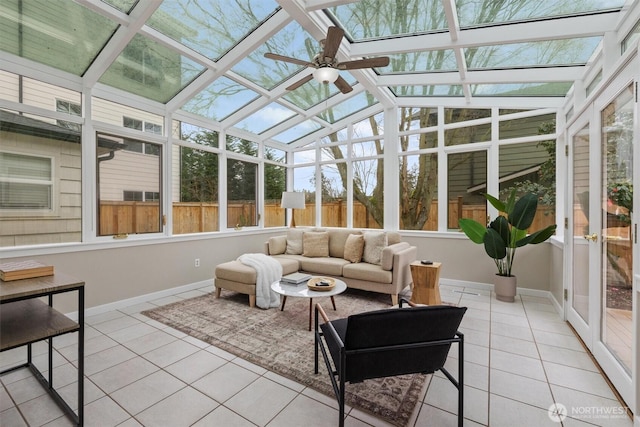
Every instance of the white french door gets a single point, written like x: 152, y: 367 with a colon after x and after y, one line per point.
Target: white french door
x: 600, y: 299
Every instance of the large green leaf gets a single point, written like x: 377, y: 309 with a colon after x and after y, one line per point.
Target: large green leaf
x: 473, y: 229
x: 537, y: 237
x: 511, y: 200
x: 501, y: 225
x: 524, y: 211
x: 494, y: 245
x: 495, y: 202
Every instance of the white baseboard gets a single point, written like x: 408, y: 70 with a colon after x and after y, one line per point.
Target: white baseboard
x: 141, y: 299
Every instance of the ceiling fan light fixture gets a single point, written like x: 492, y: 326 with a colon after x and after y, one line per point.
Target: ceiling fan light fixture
x: 325, y: 74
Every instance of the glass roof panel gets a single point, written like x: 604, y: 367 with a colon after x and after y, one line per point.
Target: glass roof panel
x: 151, y: 70
x: 265, y: 118
x: 297, y: 131
x: 122, y: 5
x: 548, y: 53
x: 437, y: 60
x: 382, y: 18
x: 212, y: 27
x: 427, y: 90
x: 61, y: 34
x: 348, y: 107
x: 220, y: 99
x: 313, y: 93
x: 476, y: 12
x: 522, y: 89
x: 291, y: 41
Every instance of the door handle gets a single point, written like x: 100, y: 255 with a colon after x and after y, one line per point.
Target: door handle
x: 593, y: 237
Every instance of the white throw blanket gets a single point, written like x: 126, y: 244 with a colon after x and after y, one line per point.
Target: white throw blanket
x: 268, y: 271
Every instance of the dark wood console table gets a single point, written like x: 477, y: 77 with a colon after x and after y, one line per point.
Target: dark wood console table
x: 25, y: 319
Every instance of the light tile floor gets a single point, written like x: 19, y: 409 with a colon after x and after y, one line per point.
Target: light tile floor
x: 520, y: 358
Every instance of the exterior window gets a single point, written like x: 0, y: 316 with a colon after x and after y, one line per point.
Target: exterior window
x: 26, y: 182
x: 242, y: 146
x: 122, y: 209
x: 140, y: 125
x: 241, y: 193
x: 70, y: 108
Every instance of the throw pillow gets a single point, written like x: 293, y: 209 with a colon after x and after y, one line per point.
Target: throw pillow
x: 353, y: 247
x: 294, y: 241
x: 277, y: 245
x: 374, y: 242
x: 315, y: 244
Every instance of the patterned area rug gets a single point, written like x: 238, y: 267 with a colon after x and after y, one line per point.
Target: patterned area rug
x: 280, y: 341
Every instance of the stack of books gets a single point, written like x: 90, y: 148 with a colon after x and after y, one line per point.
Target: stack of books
x: 295, y: 278
x: 16, y: 270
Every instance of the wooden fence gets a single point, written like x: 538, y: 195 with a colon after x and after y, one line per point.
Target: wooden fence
x: 143, y: 217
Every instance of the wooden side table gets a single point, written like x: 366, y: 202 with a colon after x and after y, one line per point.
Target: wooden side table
x: 426, y: 283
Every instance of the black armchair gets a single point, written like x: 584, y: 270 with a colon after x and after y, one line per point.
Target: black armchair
x: 387, y: 343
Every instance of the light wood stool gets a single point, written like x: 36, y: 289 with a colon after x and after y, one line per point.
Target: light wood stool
x: 426, y: 283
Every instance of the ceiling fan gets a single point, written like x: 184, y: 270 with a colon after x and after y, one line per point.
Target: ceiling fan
x: 325, y: 63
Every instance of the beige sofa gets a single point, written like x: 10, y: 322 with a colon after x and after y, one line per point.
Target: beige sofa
x: 384, y: 266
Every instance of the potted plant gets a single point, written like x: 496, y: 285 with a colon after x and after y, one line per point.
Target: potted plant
x: 505, y: 234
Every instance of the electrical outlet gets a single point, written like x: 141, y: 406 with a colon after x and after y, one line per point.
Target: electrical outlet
x: 197, y: 262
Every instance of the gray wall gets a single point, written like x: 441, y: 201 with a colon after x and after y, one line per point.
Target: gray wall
x: 466, y: 261
x: 118, y: 273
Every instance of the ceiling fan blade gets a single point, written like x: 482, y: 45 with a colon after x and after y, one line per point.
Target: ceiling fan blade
x: 277, y: 57
x: 332, y: 42
x: 381, y: 61
x: 343, y: 85
x: 300, y: 82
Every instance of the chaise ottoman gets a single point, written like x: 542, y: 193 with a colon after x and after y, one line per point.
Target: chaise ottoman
x: 238, y: 277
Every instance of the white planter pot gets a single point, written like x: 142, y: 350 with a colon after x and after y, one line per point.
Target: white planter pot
x: 505, y: 288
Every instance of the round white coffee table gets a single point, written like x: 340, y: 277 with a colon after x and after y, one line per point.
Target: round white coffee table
x: 302, y: 291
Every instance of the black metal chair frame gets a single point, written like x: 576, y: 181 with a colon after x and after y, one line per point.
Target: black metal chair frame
x: 339, y: 383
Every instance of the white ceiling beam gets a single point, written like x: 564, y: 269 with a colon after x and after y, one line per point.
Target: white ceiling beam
x: 524, y: 102
x: 325, y: 4
x: 561, y: 28
x: 518, y: 75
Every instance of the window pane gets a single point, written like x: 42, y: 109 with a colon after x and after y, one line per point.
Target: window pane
x: 419, y: 192
x: 527, y: 126
x: 197, y: 134
x: 334, y: 195
x: 457, y: 115
x: 531, y: 168
x: 467, y: 135
x: 306, y: 156
x: 304, y: 179
x: 195, y: 191
x: 123, y: 115
x: 125, y: 179
x: 242, y: 146
x: 368, y: 195
x: 40, y: 181
x: 275, y: 182
x: 241, y: 193
x: 419, y: 141
x: 417, y: 118
x: 467, y: 181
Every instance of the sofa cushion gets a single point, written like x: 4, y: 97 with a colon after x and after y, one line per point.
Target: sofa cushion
x: 353, y: 247
x: 386, y: 261
x: 374, y: 242
x: 235, y: 271
x: 329, y: 265
x: 277, y: 245
x: 294, y: 241
x: 367, y: 272
x: 315, y: 244
x: 337, y: 239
